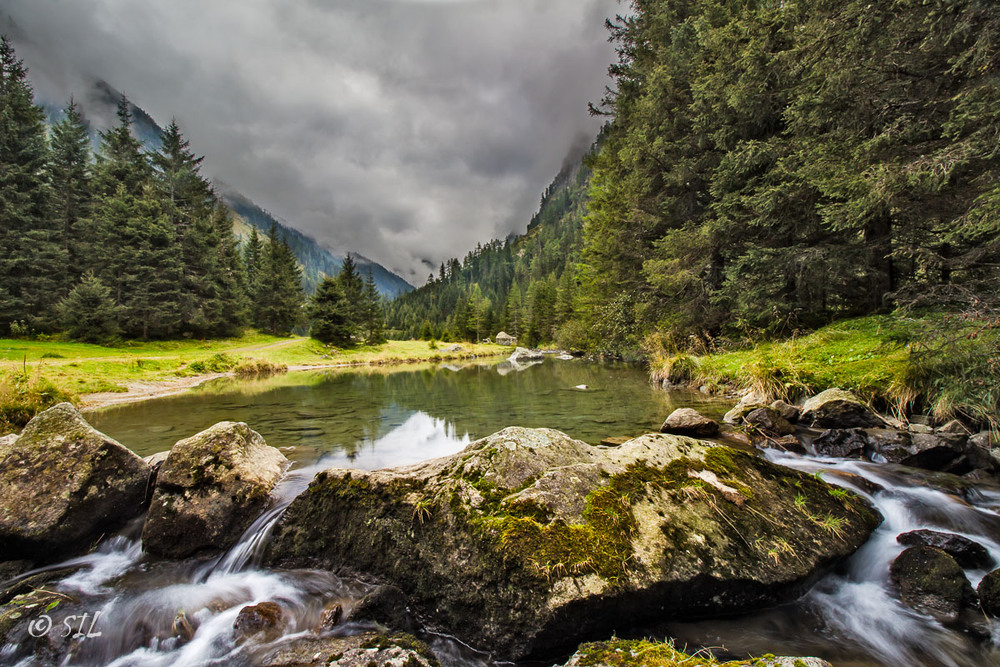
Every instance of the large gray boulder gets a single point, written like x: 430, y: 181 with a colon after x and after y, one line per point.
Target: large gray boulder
x: 836, y: 408
x: 528, y: 539
x: 63, y: 484
x: 210, y: 489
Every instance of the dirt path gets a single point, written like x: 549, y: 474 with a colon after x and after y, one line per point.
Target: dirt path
x: 142, y: 390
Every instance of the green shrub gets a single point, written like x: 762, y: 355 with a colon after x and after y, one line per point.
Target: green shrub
x: 23, y: 396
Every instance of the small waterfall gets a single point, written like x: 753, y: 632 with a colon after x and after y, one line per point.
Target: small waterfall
x: 859, y: 606
x: 249, y: 550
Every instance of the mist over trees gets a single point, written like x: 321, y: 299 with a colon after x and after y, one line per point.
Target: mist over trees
x: 124, y: 242
x: 769, y: 167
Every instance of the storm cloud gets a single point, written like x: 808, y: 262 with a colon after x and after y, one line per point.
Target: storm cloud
x: 405, y: 130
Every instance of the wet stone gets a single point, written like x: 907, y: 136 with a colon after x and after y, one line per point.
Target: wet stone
x: 968, y: 554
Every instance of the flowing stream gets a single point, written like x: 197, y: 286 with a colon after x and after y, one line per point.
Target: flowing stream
x: 128, y: 610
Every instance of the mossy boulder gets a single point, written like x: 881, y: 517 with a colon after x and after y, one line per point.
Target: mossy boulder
x: 63, y: 484
x: 646, y: 653
x: 530, y: 541
x: 836, y: 408
x: 210, y: 489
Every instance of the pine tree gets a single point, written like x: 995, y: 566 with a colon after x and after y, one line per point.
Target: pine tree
x: 373, y: 322
x: 70, y: 174
x: 89, y: 314
x: 329, y: 314
x: 32, y: 250
x: 279, y: 298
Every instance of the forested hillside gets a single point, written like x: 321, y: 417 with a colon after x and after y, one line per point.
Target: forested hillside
x: 124, y: 241
x: 524, y: 286
x: 767, y: 168
x: 316, y: 261
x: 101, y: 100
x: 773, y: 166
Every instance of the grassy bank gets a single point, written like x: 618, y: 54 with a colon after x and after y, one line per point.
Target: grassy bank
x: 941, y: 365
x: 37, y: 374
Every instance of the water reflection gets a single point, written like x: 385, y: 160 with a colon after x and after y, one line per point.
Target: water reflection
x: 419, y: 438
x: 375, y: 417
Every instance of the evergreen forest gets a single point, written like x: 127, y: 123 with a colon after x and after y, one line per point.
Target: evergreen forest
x: 766, y: 168
x: 122, y: 242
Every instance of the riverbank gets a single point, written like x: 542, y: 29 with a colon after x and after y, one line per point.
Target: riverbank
x: 37, y: 374
x: 940, y: 366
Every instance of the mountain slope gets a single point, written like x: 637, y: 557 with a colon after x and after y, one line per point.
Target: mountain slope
x: 316, y: 260
x: 525, y: 285
x: 98, y: 104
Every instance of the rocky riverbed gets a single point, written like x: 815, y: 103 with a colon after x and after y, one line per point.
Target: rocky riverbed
x: 522, y: 545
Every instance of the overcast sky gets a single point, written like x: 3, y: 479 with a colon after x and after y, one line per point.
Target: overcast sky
x: 405, y: 130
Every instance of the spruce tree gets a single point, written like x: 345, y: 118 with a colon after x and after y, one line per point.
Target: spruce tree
x: 32, y: 250
x: 229, y: 278
x: 88, y: 313
x: 329, y: 313
x: 70, y: 174
x: 189, y: 203
x: 280, y: 297
x: 253, y: 260
x: 373, y: 322
x: 120, y: 158
x: 353, y: 286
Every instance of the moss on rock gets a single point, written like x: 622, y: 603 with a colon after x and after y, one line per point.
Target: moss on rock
x: 209, y: 490
x: 63, y: 484
x: 647, y: 653
x: 528, y: 539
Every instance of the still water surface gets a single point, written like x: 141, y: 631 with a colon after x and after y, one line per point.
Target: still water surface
x: 376, y: 417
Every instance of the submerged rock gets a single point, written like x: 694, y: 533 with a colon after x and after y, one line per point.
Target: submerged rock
x: 63, y: 484
x: 836, y: 408
x: 640, y: 653
x: 968, y: 554
x: 931, y: 582
x: 687, y: 421
x: 530, y: 540
x: 210, y: 489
